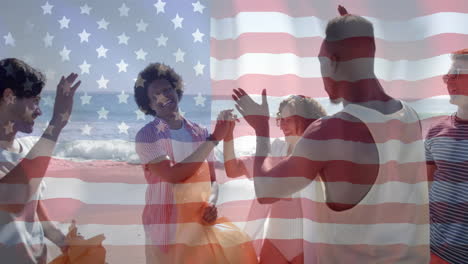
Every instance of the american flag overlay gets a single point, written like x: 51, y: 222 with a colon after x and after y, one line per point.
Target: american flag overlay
x: 103, y: 173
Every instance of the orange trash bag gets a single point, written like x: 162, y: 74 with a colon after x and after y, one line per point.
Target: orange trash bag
x: 80, y: 250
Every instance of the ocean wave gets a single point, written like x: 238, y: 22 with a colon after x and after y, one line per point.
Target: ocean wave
x: 116, y: 150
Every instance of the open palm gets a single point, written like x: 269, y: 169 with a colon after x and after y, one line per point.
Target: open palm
x: 257, y: 115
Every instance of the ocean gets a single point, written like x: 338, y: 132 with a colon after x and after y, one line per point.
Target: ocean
x: 106, y: 141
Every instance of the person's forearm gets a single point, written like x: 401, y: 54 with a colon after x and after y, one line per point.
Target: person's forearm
x: 261, y: 152
x: 51, y: 231
x: 181, y: 171
x: 54, y: 234
x: 232, y: 165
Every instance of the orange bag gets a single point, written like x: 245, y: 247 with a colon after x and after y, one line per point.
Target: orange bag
x: 82, y: 251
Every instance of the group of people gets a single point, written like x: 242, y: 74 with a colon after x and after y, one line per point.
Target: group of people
x: 362, y: 185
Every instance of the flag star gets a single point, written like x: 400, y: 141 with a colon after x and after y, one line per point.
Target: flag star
x: 85, y: 9
x: 199, y: 68
x: 48, y: 101
x: 102, y: 24
x: 49, y: 130
x: 123, y: 97
x: 10, y: 100
x: 47, y: 8
x: 65, y: 117
x: 48, y: 40
x: 85, y: 99
x: 85, y: 67
x: 123, y: 128
x: 141, y: 26
x: 141, y: 54
x: 123, y: 9
x: 84, y: 36
x: 182, y: 113
x: 177, y: 20
x: 64, y: 22
x: 28, y: 111
x: 102, y: 52
x: 122, y: 66
x: 199, y: 100
x: 123, y: 39
x: 28, y: 85
x: 197, y: 36
x: 197, y: 7
x: 179, y: 55
x: 86, y: 130
x: 102, y: 113
x: 162, y: 40
x: 9, y: 70
x: 139, y: 115
x: 161, y: 127
x: 8, y: 128
x: 65, y: 54
x: 140, y: 81
x: 161, y: 99
x: 178, y: 116
x: 160, y: 6
x: 9, y: 40
x: 102, y: 82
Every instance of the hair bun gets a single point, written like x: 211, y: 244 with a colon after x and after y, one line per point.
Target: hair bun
x: 342, y: 10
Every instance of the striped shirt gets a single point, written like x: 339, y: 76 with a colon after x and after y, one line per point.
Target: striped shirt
x: 153, y: 141
x: 447, y: 148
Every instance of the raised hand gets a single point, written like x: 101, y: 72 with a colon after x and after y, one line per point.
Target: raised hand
x: 257, y: 115
x: 64, y: 100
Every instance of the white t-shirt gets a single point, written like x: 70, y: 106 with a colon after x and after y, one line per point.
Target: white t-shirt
x: 21, y: 234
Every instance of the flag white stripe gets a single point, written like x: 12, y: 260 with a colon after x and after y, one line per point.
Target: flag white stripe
x: 391, y: 30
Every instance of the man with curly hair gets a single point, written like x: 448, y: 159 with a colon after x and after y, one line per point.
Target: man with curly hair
x: 177, y: 158
x: 23, y: 219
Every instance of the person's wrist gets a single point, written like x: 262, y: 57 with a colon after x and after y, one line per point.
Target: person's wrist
x: 229, y: 137
x: 262, y: 129
x: 212, y: 138
x: 57, y: 123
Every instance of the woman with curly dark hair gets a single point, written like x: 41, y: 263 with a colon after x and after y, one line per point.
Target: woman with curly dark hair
x: 181, y: 225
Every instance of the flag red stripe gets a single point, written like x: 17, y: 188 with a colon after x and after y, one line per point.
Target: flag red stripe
x: 283, y: 85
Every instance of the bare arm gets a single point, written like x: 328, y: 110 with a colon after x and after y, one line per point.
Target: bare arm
x: 234, y: 167
x: 431, y: 168
x: 50, y: 230
x: 178, y: 172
